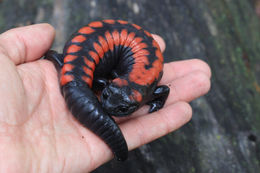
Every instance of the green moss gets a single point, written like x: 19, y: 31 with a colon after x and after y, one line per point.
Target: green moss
x: 218, y: 137
x: 192, y: 170
x: 234, y: 142
x: 237, y: 47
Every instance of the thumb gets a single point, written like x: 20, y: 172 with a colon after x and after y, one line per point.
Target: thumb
x: 27, y: 43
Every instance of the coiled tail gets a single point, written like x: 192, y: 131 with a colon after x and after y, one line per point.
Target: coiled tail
x: 86, y: 108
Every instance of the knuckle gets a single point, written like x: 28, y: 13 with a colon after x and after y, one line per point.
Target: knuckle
x: 203, y: 66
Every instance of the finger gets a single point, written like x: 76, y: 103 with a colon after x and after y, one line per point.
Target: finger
x: 178, y: 69
x: 26, y: 43
x: 160, y: 41
x: 144, y: 129
x: 189, y: 87
x: 141, y: 130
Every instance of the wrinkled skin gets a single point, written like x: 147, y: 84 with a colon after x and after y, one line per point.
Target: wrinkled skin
x: 39, y: 134
x: 117, y: 102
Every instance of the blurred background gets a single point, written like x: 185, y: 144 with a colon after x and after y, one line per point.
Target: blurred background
x: 224, y: 133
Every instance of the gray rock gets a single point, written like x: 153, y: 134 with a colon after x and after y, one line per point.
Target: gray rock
x: 224, y: 133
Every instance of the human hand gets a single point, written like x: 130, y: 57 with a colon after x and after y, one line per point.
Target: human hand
x: 39, y: 134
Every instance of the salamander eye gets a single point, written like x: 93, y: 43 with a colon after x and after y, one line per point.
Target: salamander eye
x: 123, y: 108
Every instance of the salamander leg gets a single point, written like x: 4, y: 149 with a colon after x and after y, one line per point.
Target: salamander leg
x: 55, y: 58
x: 159, y: 98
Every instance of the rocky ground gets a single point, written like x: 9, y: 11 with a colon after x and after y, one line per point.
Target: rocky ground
x: 224, y: 133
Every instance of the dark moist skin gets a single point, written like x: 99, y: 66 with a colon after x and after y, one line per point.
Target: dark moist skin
x: 121, y: 61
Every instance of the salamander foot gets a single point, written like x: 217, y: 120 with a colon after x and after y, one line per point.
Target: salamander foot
x: 159, y: 98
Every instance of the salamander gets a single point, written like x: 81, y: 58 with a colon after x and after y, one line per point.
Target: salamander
x: 119, y: 60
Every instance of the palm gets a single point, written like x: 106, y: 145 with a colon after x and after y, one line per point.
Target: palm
x: 37, y: 126
x: 49, y: 133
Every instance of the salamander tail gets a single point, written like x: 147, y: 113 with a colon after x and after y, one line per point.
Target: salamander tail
x: 86, y: 108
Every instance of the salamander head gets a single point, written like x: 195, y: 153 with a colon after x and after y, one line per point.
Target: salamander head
x: 119, y: 101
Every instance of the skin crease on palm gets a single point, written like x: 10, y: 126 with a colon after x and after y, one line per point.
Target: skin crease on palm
x: 39, y: 134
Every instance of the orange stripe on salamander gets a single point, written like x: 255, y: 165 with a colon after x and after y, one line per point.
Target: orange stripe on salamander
x: 87, y: 80
x: 137, y: 26
x: 122, y: 22
x: 155, y: 44
x: 135, y: 41
x: 73, y: 48
x: 123, y: 37
x: 120, y: 82
x: 147, y: 33
x: 158, y: 66
x: 110, y: 41
x: 139, y: 47
x: 96, y: 24
x: 142, y: 53
x: 136, y: 95
x: 69, y: 58
x: 66, y: 79
x: 103, y: 43
x: 86, y: 30
x: 88, y: 72
x: 98, y: 49
x: 109, y: 21
x: 143, y: 76
x: 137, y: 44
x: 129, y: 39
x: 140, y: 62
x: 90, y: 64
x: 158, y: 53
x: 66, y: 68
x: 94, y: 56
x: 116, y: 37
x: 78, y: 39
